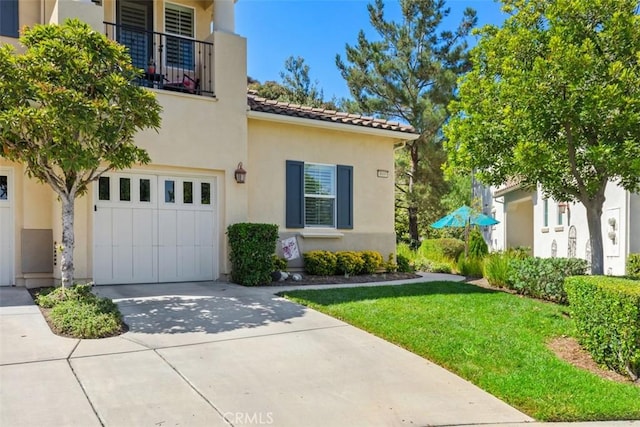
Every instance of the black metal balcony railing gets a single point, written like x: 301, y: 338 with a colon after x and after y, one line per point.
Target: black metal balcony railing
x: 169, y: 62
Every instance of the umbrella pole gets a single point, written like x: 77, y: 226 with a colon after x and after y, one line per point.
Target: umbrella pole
x: 466, y: 240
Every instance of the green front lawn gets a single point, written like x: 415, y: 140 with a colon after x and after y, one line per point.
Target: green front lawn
x: 494, y: 339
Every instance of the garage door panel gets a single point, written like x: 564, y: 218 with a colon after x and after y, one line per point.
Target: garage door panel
x: 167, y: 265
x: 104, y: 231
x: 144, y: 265
x: 156, y: 233
x: 167, y: 228
x: 123, y: 263
x: 204, y: 221
x: 186, y: 228
x: 122, y: 229
x: 103, y: 264
x: 143, y: 226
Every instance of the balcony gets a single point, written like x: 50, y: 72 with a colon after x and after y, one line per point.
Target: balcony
x: 169, y: 62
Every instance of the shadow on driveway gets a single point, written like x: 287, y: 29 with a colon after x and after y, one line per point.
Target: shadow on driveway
x: 201, y: 308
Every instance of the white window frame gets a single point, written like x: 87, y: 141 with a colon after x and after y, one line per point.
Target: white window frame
x: 192, y: 37
x: 334, y: 196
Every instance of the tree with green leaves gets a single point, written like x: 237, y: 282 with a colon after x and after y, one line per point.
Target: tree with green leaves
x: 410, y: 74
x: 69, y: 113
x: 296, y: 86
x: 554, y: 100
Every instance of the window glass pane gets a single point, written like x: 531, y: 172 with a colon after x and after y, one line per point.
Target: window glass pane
x: 125, y: 189
x: 187, y: 192
x: 169, y: 192
x: 319, y: 180
x: 4, y: 190
x: 179, y: 20
x: 559, y: 216
x: 145, y: 190
x: 319, y: 212
x: 104, y: 188
x: 545, y: 216
x: 205, y: 193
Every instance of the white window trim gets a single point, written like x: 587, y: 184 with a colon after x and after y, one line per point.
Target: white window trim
x: 164, y: 29
x: 318, y: 196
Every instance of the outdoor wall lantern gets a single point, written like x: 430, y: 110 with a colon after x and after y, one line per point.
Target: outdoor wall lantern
x: 562, y: 207
x: 240, y: 174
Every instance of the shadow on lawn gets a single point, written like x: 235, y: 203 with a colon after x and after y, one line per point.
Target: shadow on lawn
x: 333, y: 296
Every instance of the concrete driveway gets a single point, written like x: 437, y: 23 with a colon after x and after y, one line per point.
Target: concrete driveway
x: 220, y: 354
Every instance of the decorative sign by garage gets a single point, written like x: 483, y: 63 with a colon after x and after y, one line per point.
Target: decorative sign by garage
x: 290, y: 248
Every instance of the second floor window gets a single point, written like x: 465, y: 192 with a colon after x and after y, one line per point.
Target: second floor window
x: 179, y: 20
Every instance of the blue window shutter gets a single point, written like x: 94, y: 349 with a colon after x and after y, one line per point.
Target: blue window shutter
x: 295, y: 194
x: 345, y: 197
x: 9, y: 25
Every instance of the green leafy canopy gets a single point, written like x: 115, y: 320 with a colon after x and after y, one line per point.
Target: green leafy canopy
x: 68, y: 109
x: 554, y: 98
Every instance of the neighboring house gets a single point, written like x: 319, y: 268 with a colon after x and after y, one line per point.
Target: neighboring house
x: 552, y: 229
x: 325, y: 177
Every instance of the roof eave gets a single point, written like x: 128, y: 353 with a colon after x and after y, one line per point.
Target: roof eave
x: 323, y: 124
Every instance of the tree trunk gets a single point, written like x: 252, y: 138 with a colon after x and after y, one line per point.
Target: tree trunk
x: 68, y: 240
x: 414, y: 232
x: 594, y: 219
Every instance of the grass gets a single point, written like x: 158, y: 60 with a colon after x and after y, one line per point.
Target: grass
x: 77, y: 313
x: 494, y: 339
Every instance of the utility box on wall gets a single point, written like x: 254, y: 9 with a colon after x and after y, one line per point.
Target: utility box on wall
x: 37, y: 251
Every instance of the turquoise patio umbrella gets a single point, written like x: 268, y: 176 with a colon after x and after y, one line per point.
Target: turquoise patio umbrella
x: 464, y: 216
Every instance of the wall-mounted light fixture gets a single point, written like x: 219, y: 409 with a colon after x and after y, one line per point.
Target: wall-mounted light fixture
x: 562, y: 207
x: 240, y: 174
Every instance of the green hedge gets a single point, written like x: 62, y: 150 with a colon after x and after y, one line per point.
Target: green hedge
x: 606, y: 311
x: 544, y: 277
x: 320, y: 263
x: 325, y: 263
x: 252, y: 247
x: 633, y: 266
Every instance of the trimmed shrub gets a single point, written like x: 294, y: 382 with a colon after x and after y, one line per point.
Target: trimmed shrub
x: 498, y: 268
x: 77, y: 312
x: 390, y: 266
x: 319, y: 263
x: 469, y: 266
x: 403, y: 264
x: 440, y: 267
x: 544, y: 277
x: 251, y: 249
x: 349, y: 263
x: 279, y: 264
x: 373, y: 261
x: 606, y: 311
x: 633, y: 266
x: 477, y: 246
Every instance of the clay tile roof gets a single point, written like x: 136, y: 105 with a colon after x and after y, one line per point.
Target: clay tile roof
x: 263, y: 105
x: 509, y: 186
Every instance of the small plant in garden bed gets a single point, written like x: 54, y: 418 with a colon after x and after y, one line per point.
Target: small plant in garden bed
x: 76, y: 312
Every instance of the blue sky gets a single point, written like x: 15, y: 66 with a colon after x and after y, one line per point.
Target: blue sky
x: 317, y: 30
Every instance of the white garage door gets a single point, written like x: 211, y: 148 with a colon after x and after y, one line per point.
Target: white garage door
x: 150, y: 229
x: 6, y: 228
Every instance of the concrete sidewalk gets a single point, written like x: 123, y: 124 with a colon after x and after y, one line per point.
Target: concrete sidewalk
x: 221, y: 354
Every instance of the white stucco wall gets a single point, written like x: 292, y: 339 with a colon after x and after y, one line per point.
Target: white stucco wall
x: 615, y: 251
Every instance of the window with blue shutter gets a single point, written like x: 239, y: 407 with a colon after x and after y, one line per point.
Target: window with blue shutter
x: 319, y: 195
x: 9, y: 18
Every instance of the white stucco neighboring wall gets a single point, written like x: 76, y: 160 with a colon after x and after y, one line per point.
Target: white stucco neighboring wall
x: 567, y: 234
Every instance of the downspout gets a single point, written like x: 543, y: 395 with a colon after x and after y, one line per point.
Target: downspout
x: 628, y: 229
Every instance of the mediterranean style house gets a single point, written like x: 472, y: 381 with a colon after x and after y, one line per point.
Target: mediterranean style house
x: 552, y: 229
x: 324, y: 177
